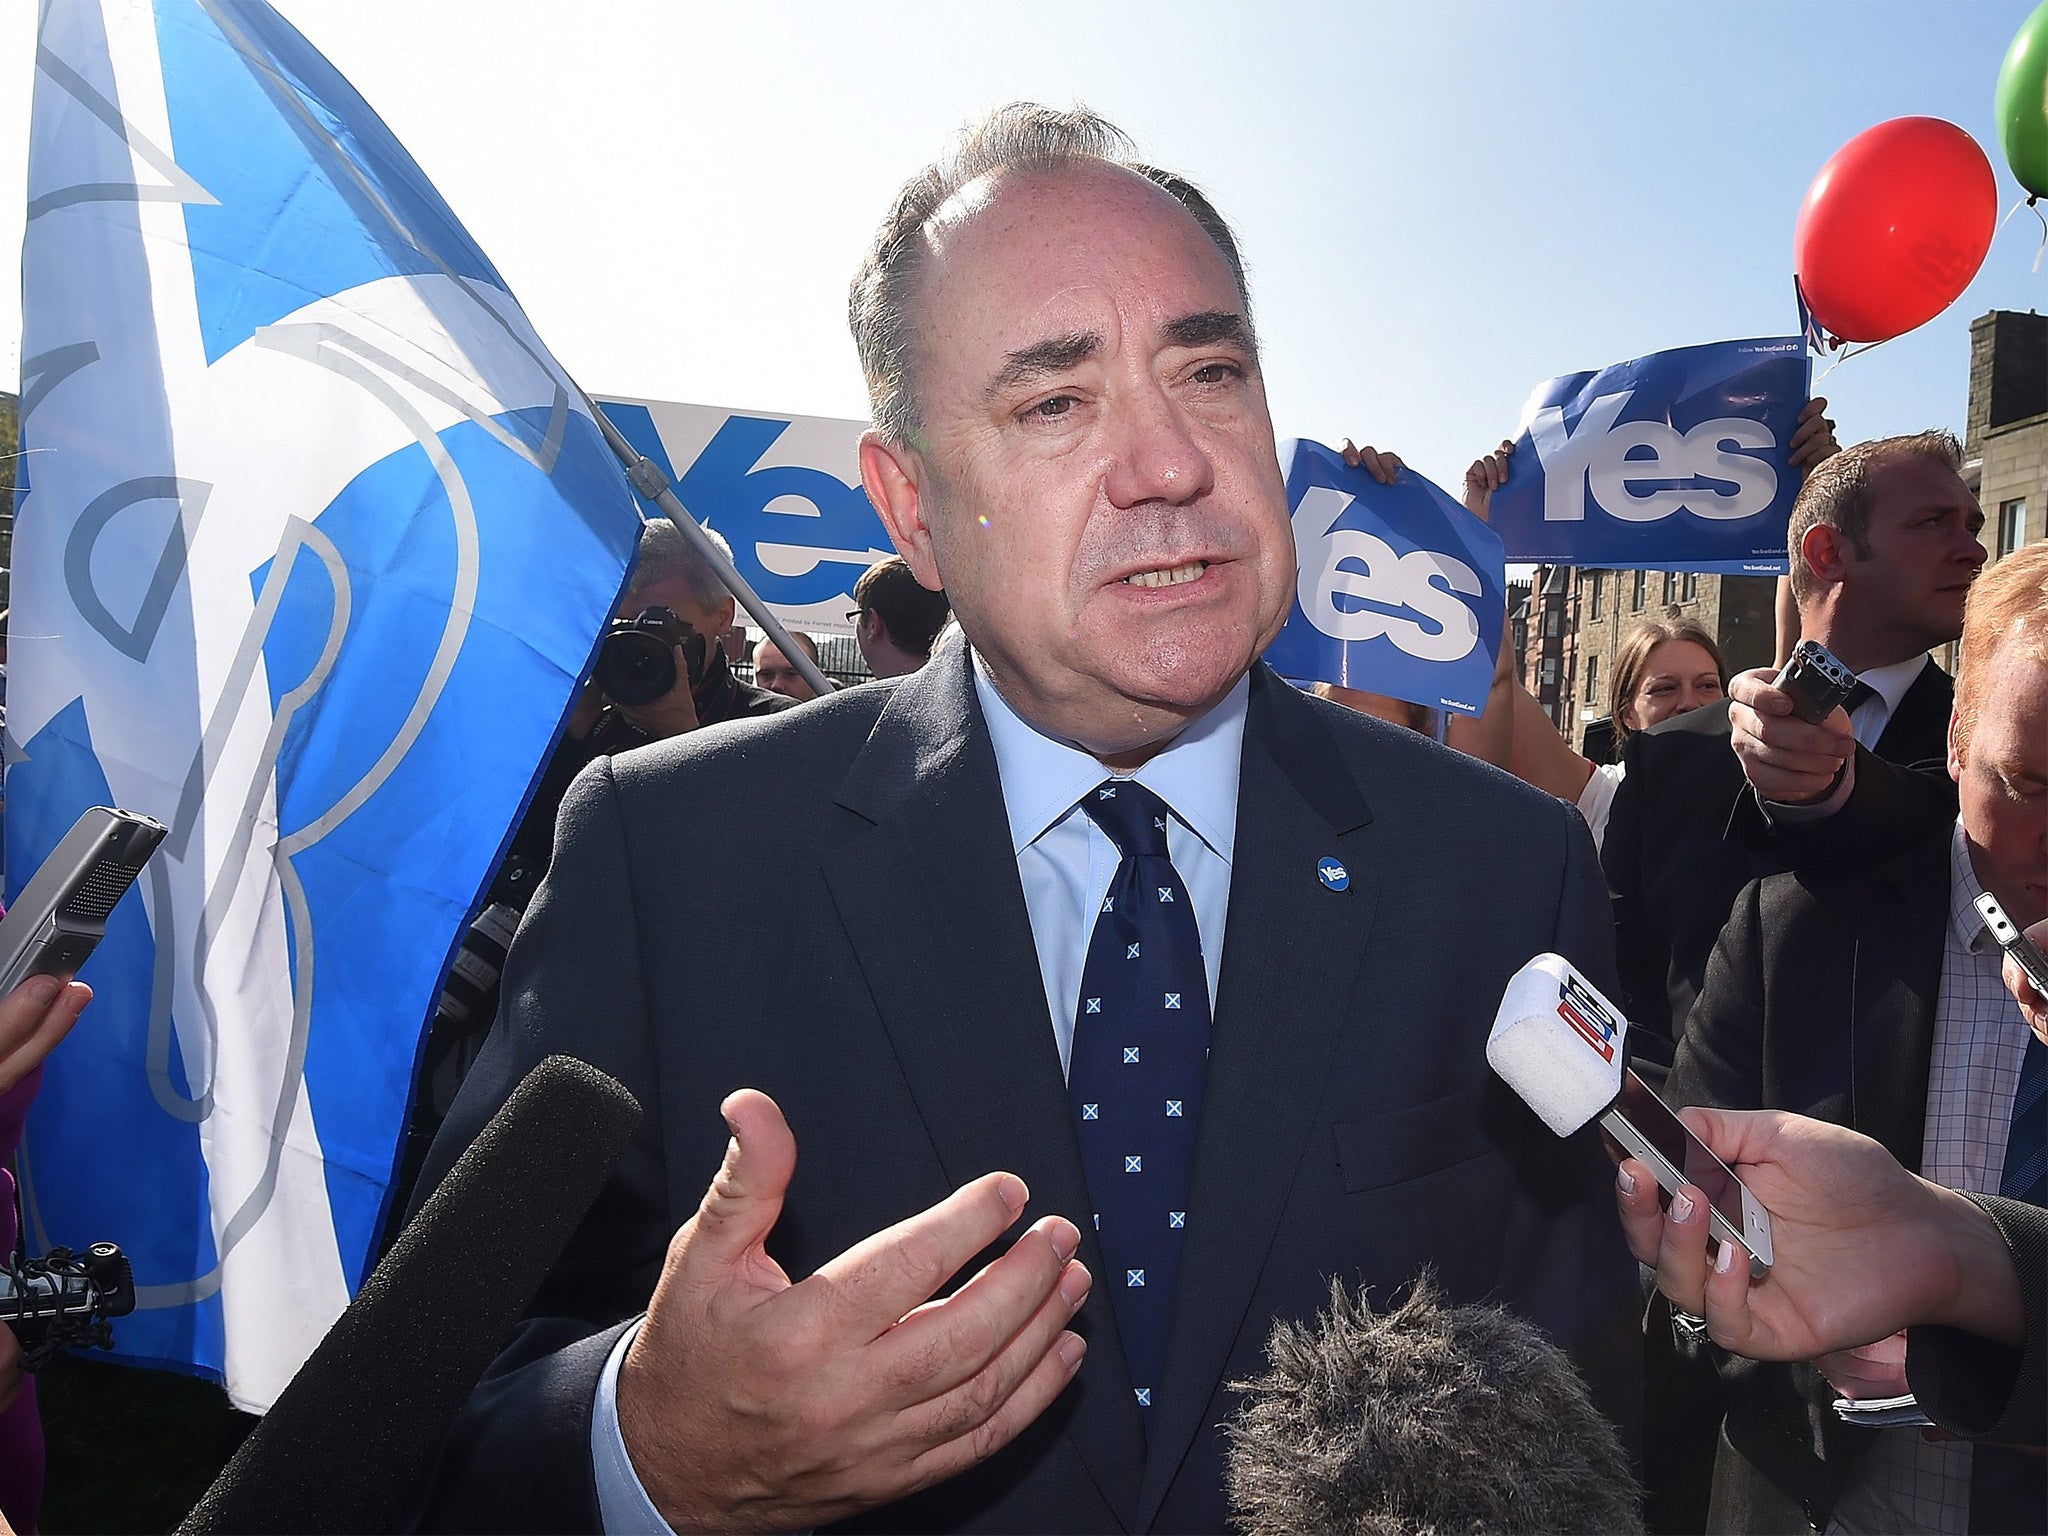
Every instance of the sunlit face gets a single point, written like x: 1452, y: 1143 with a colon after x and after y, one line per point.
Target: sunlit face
x: 774, y: 671
x: 2002, y: 779
x: 1679, y: 677
x: 1095, y: 485
x: 1923, y: 554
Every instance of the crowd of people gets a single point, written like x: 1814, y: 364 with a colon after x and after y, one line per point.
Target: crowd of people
x: 1127, y: 994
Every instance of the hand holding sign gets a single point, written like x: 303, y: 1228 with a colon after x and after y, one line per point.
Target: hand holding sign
x: 1399, y: 591
x: 1680, y: 460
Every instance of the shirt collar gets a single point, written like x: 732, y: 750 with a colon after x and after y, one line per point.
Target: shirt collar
x: 1044, y: 778
x: 1891, y: 682
x: 1963, y: 890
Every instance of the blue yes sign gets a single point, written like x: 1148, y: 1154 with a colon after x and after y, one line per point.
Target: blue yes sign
x: 1675, y: 461
x: 783, y: 490
x: 1399, y: 590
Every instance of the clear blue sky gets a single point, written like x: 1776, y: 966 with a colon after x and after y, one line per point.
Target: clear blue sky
x: 1442, y: 203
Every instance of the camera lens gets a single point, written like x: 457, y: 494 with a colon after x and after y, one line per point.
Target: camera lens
x: 635, y: 667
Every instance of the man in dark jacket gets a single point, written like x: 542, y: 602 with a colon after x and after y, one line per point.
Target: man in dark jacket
x: 1871, y: 995
x: 1883, y: 551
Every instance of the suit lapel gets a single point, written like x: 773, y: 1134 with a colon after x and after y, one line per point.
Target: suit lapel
x: 1290, y: 960
x: 1918, y: 729
x: 932, y: 904
x: 1894, y: 993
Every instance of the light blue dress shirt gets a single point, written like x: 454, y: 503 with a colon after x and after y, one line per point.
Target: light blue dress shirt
x: 1065, y: 863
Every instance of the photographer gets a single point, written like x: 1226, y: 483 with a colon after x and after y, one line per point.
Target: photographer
x: 674, y: 597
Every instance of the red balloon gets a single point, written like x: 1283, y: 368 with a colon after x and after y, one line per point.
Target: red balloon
x: 1894, y: 227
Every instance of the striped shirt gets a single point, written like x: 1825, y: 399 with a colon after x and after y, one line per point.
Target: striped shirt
x: 1908, y: 1483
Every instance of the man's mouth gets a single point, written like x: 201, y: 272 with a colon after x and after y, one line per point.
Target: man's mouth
x: 1172, y: 576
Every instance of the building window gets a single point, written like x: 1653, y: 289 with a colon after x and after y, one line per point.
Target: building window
x: 2012, y: 526
x: 1670, y: 584
x: 1553, y: 623
x: 1548, y: 673
x: 1641, y: 588
x: 1592, y: 680
x: 1692, y: 585
x: 1599, y: 582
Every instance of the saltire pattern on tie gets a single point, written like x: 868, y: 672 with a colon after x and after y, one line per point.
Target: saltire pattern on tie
x: 316, y: 540
x: 1134, y: 1079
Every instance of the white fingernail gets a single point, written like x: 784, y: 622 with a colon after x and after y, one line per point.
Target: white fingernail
x: 1681, y: 1208
x: 1626, y: 1180
x: 1725, y: 1259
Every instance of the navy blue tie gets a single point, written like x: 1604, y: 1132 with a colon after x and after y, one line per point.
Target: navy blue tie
x: 1140, y: 1053
x: 2026, y: 1146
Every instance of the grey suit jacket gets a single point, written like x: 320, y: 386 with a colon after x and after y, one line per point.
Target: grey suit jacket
x: 826, y: 906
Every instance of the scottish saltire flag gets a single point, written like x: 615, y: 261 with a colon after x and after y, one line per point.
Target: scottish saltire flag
x: 318, y: 541
x: 1678, y: 461
x: 784, y: 490
x: 1399, y: 590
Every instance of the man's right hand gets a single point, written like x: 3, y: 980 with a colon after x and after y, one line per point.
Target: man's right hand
x: 673, y: 714
x: 751, y: 1404
x: 1787, y: 760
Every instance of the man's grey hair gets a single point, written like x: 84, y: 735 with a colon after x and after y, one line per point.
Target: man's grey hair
x: 666, y: 554
x: 1020, y: 137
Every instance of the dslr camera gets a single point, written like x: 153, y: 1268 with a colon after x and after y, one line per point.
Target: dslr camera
x: 637, y: 662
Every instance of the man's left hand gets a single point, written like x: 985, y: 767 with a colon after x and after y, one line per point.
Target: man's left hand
x: 670, y: 715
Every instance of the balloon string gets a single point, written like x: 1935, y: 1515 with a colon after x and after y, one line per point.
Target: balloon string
x: 2030, y: 202
x: 1852, y: 352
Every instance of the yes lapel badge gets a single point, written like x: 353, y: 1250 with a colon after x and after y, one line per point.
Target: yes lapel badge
x: 1333, y: 874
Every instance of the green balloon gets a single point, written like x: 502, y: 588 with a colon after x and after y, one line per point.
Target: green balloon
x: 2021, y: 106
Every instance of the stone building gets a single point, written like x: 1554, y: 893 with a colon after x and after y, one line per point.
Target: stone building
x: 1579, y: 619
x: 2005, y: 445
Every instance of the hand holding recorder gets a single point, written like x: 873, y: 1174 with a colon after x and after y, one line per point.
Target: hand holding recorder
x: 1790, y: 728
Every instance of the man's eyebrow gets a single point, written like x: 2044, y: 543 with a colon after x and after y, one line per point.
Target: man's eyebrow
x: 1054, y: 355
x: 1210, y: 326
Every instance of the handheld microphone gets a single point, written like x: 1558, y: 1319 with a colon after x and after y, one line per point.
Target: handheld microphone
x: 1558, y: 1043
x: 359, y: 1426
x: 1427, y: 1418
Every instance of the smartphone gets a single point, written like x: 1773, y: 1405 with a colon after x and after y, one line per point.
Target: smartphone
x: 2014, y: 942
x: 61, y: 915
x: 1652, y: 1134
x: 1816, y: 680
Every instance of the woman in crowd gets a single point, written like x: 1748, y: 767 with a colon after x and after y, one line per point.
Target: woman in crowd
x: 1664, y: 668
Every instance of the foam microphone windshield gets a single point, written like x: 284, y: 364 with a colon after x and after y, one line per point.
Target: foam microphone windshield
x: 360, y: 1424
x: 1425, y: 1420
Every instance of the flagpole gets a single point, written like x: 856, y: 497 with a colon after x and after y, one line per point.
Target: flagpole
x: 648, y: 479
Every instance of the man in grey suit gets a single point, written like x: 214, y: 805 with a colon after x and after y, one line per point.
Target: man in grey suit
x: 1017, y: 881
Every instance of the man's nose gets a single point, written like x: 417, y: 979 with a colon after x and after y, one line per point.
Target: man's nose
x: 1156, y: 456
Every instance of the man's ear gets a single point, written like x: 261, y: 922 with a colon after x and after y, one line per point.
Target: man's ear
x: 1826, y: 553
x: 893, y: 476
x: 1955, y: 747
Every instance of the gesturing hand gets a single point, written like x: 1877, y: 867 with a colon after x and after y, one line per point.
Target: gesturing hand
x: 1862, y: 1248
x: 750, y: 1403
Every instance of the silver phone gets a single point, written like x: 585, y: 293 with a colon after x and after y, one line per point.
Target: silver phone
x: 1657, y: 1138
x: 61, y: 915
x: 2008, y: 936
